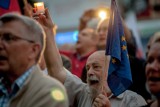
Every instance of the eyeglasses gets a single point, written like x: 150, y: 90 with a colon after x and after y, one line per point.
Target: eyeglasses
x: 8, y: 37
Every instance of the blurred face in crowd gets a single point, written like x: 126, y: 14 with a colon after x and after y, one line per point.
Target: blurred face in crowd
x: 95, y: 67
x: 86, y: 38
x: 102, y: 32
x: 153, y: 39
x: 153, y: 68
x: 16, y: 52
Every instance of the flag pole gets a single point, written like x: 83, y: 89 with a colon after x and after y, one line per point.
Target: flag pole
x: 119, y: 73
x: 104, y: 86
x: 107, y: 59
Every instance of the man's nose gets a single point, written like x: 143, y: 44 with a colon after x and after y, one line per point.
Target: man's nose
x: 79, y: 35
x: 155, y: 65
x: 90, y: 71
x: 100, y: 32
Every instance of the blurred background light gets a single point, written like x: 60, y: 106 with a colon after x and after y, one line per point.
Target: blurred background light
x: 102, y: 14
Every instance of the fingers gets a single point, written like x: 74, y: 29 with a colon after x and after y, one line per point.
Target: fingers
x: 46, y: 21
x: 47, y: 13
x: 104, y: 93
x: 42, y: 19
x: 98, y: 102
x: 25, y: 2
x: 39, y: 17
x: 28, y: 10
x: 95, y: 104
x: 101, y: 101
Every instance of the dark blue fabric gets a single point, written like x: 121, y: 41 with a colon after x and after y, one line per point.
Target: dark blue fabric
x: 119, y: 74
x: 4, y: 4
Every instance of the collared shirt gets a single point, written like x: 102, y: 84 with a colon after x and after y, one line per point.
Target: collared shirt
x: 45, y: 71
x: 78, y: 62
x: 5, y: 96
x: 80, y: 95
x: 127, y: 99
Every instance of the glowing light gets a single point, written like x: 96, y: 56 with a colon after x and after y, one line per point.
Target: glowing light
x: 102, y: 14
x: 39, y: 4
x: 57, y: 95
x: 39, y: 7
x: 75, y: 35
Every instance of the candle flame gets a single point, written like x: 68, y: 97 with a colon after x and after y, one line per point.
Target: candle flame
x: 38, y: 4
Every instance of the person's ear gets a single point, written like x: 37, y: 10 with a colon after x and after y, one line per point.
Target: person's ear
x: 35, y: 51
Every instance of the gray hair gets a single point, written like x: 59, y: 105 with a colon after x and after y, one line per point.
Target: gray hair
x: 35, y: 31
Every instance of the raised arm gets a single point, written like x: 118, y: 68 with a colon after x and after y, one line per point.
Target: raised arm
x: 51, y: 53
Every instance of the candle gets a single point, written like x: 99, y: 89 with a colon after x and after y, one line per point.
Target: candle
x: 39, y: 6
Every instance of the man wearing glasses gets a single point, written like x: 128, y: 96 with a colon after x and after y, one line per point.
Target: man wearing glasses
x: 22, y: 84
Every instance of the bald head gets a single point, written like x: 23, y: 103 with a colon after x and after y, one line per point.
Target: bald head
x: 97, y: 69
x: 99, y: 58
x: 98, y: 55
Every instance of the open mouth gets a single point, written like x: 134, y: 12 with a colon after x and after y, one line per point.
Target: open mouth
x: 154, y: 79
x: 102, y: 39
x: 3, y: 58
x: 93, y: 80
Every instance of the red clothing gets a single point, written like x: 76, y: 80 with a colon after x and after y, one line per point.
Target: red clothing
x: 13, y: 7
x: 78, y: 62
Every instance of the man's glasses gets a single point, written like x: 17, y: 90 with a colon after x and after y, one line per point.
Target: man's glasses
x: 8, y: 37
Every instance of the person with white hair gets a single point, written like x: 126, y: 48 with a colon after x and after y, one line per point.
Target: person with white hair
x: 93, y: 94
x: 22, y: 83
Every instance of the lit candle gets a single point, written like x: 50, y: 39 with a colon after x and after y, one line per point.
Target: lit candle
x: 39, y: 7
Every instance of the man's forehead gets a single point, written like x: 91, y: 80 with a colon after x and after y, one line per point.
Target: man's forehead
x: 14, y: 25
x: 95, y: 59
x: 93, y: 62
x: 98, y: 54
x: 16, y: 28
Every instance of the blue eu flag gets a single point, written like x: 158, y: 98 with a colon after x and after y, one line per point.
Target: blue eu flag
x: 4, y: 4
x: 119, y: 74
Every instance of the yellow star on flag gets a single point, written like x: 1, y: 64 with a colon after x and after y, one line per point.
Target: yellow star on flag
x: 123, y: 38
x: 124, y: 47
x: 113, y: 60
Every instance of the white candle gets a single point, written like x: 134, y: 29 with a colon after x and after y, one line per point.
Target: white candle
x: 39, y: 7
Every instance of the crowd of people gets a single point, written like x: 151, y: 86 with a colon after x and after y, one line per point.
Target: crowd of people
x: 35, y: 73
